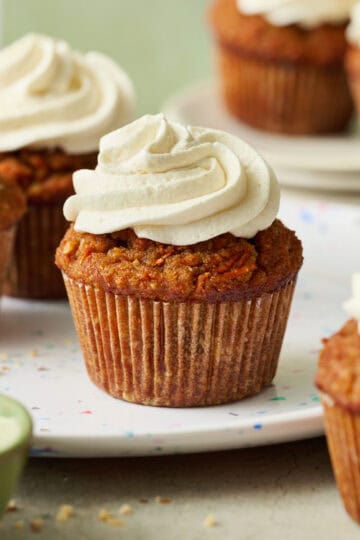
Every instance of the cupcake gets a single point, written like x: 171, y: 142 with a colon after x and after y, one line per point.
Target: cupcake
x: 338, y: 379
x: 12, y: 209
x: 353, y: 55
x: 56, y: 103
x: 179, y: 275
x: 282, y: 63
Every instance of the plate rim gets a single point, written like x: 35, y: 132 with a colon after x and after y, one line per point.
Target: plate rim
x: 173, y: 103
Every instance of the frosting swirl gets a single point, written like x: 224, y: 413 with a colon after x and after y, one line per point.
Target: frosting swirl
x: 352, y: 306
x: 353, y: 30
x: 307, y: 13
x: 53, y: 96
x: 174, y: 185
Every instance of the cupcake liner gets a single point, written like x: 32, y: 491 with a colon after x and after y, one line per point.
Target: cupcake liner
x: 284, y: 97
x: 6, y: 245
x: 343, y: 436
x: 353, y: 72
x: 179, y: 354
x: 32, y: 272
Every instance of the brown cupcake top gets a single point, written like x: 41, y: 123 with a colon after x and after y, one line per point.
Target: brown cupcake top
x: 253, y: 35
x: 12, y: 204
x: 338, y: 373
x: 44, y: 175
x: 223, y: 268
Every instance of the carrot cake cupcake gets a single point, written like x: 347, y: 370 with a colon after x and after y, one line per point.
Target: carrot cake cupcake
x: 282, y: 63
x: 179, y: 275
x: 12, y: 208
x: 353, y: 56
x: 56, y: 104
x: 338, y: 379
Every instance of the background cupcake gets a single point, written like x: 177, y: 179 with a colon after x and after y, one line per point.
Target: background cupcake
x: 56, y: 103
x: 338, y: 379
x: 12, y: 209
x: 281, y: 63
x: 353, y: 55
x: 179, y: 276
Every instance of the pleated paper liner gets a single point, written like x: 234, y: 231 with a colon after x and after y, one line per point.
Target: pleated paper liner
x: 179, y: 354
x: 343, y: 436
x: 283, y: 97
x: 33, y: 273
x: 353, y: 71
x: 6, y: 245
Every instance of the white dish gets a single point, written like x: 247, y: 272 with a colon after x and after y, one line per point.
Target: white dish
x: 330, y: 181
x: 41, y: 364
x: 202, y: 105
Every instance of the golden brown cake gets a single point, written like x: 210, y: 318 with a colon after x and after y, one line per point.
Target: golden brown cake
x: 12, y: 208
x: 172, y: 310
x: 281, y: 78
x: 338, y: 379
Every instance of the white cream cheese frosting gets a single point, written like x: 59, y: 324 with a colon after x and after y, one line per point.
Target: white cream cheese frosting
x: 353, y: 30
x: 352, y: 306
x: 306, y: 13
x: 51, y: 95
x: 174, y: 184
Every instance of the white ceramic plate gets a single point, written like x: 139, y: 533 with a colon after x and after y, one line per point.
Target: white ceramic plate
x: 202, y: 105
x: 324, y: 180
x: 41, y: 364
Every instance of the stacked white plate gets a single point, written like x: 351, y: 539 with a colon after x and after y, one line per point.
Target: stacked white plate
x: 322, y: 162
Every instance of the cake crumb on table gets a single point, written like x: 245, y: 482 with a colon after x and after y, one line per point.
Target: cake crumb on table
x: 36, y: 524
x: 210, y: 521
x: 116, y: 522
x: 65, y: 512
x: 12, y: 506
x: 19, y: 525
x: 125, y: 510
x: 107, y: 517
x: 163, y: 500
x: 104, y: 515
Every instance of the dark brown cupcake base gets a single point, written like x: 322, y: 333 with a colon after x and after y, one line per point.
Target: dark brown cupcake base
x: 284, y: 97
x: 32, y: 272
x: 6, y: 245
x: 179, y: 354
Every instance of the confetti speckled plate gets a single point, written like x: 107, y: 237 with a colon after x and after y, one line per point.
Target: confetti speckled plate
x: 41, y: 364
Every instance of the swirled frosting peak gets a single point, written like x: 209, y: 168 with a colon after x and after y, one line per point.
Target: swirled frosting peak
x: 307, y: 13
x: 353, y: 30
x: 352, y: 306
x: 51, y: 96
x: 174, y: 184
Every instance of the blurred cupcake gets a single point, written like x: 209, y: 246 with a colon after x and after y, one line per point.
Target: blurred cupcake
x: 179, y: 276
x: 353, y: 55
x: 12, y: 209
x: 338, y: 379
x: 56, y: 103
x: 281, y: 63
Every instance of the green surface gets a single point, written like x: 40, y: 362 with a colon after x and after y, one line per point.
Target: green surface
x: 163, y: 44
x: 12, y: 460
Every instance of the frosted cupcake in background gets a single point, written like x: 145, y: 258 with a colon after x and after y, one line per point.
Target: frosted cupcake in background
x: 338, y: 379
x: 179, y: 275
x: 353, y: 55
x: 56, y: 103
x: 281, y: 63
